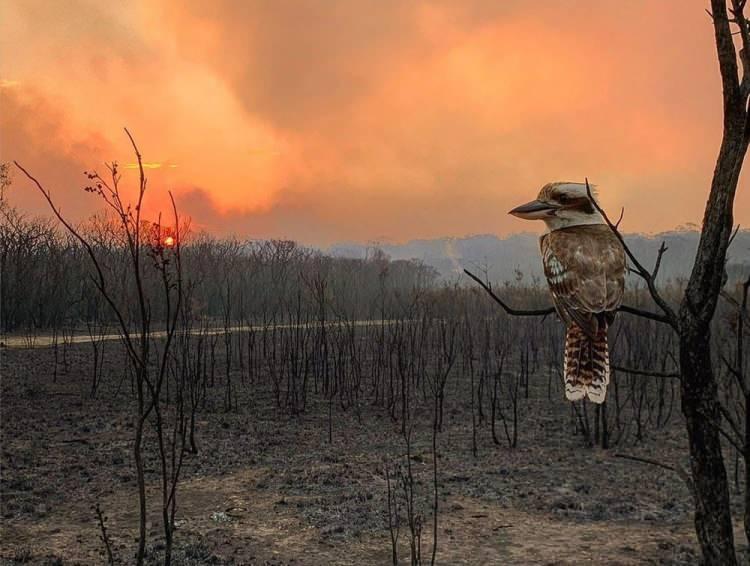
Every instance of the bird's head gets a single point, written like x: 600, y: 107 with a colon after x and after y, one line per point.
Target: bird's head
x: 561, y: 205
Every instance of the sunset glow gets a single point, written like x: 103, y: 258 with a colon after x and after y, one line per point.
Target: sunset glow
x: 358, y: 121
x: 149, y: 165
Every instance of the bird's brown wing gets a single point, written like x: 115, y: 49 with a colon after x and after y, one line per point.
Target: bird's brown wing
x: 585, y: 270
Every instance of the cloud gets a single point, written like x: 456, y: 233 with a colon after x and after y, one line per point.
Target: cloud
x: 35, y: 134
x: 330, y: 119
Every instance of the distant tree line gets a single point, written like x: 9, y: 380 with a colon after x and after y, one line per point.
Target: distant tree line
x: 45, y: 276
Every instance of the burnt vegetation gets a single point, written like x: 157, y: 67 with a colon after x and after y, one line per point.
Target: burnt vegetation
x: 175, y: 342
x: 152, y: 375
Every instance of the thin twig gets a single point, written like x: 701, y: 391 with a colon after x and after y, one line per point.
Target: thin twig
x: 648, y: 372
x: 662, y: 248
x: 647, y: 276
x: 508, y: 309
x: 100, y: 280
x: 735, y: 373
x: 104, y: 536
x: 622, y: 215
x: 644, y: 314
x: 737, y: 440
x: 733, y: 236
x: 676, y: 469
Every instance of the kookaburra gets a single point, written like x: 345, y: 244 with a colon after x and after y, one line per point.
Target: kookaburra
x: 584, y: 263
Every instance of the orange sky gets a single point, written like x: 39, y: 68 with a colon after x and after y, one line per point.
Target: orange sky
x: 366, y: 120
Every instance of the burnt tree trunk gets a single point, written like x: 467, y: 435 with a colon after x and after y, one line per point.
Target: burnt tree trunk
x: 700, y: 404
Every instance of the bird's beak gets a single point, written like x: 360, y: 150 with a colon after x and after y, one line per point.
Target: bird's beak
x: 534, y: 210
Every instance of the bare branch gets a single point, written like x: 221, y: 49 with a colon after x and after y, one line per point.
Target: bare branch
x: 508, y: 309
x: 676, y: 469
x: 100, y: 280
x: 549, y: 310
x: 622, y: 215
x: 644, y: 314
x: 101, y: 519
x: 733, y: 95
x: 733, y: 236
x: 737, y: 440
x: 647, y: 372
x: 735, y: 373
x: 739, y: 19
x: 663, y: 248
x: 647, y: 276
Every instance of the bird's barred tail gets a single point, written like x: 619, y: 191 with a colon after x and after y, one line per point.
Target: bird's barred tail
x: 586, y: 366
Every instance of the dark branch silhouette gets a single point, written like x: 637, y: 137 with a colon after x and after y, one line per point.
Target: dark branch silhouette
x: 670, y: 317
x: 647, y: 372
x: 677, y: 470
x: 550, y: 310
x: 508, y: 309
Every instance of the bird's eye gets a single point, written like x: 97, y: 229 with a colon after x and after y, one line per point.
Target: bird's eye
x: 563, y: 199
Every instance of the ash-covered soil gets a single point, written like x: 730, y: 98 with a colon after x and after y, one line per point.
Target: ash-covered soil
x: 269, y: 488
